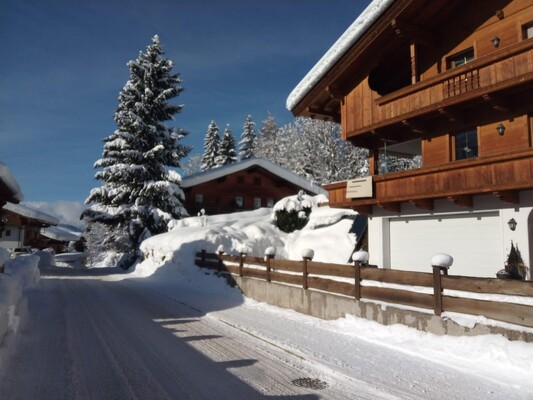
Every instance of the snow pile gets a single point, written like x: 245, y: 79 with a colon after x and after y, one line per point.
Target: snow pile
x: 25, y: 269
x: 46, y: 258
x: 20, y: 273
x: 252, y: 232
x: 442, y: 260
x: 5, y: 255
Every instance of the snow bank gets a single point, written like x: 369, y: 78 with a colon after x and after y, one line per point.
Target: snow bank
x: 20, y: 273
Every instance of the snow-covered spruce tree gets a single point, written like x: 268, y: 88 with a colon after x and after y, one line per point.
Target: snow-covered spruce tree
x: 246, y: 145
x: 226, y: 151
x: 139, y: 193
x: 211, y: 145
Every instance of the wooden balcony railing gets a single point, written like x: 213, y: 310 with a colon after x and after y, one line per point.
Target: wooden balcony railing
x: 501, y: 174
x: 505, y: 69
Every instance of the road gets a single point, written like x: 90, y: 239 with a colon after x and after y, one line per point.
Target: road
x: 88, y: 337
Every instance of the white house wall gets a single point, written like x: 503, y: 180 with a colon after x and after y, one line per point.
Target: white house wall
x: 494, y: 245
x: 13, y: 240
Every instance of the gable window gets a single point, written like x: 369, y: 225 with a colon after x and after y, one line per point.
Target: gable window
x: 257, y: 202
x: 270, y: 203
x: 461, y: 58
x: 199, y: 198
x: 466, y: 144
x: 239, y: 201
x: 527, y: 31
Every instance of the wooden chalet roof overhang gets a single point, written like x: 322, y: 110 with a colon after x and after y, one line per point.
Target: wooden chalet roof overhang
x: 384, y: 49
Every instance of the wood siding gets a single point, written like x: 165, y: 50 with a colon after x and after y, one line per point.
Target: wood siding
x: 219, y: 194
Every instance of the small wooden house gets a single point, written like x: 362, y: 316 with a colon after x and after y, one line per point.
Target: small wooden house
x: 246, y: 185
x: 23, y: 225
x: 450, y: 82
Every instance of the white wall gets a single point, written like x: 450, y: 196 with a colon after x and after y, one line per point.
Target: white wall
x: 379, y: 226
x: 11, y: 241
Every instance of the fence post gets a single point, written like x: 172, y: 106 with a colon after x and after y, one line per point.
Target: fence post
x: 270, y: 252
x: 440, y: 264
x: 359, y: 257
x: 241, y: 263
x: 202, y: 258
x: 307, y: 255
x: 220, y: 251
x: 357, y: 279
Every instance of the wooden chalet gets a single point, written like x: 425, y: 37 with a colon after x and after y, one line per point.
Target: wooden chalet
x: 242, y: 186
x: 451, y: 82
x: 23, y: 225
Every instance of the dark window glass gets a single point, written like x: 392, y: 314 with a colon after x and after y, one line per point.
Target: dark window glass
x: 461, y: 58
x: 466, y: 144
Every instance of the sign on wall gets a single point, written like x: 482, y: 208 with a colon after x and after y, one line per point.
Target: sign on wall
x: 358, y: 188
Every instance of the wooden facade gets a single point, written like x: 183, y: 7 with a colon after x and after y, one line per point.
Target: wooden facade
x: 241, y: 187
x: 436, y: 75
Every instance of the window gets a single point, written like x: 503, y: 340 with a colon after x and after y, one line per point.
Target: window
x: 460, y: 58
x: 527, y: 31
x: 466, y: 144
x: 239, y: 201
x: 199, y: 198
x: 257, y: 202
x: 8, y: 232
x: 270, y: 203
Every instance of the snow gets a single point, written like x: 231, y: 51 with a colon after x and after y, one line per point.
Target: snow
x: 361, y: 256
x: 60, y: 233
x: 20, y: 274
x: 354, y: 32
x: 10, y: 182
x: 442, y: 260
x: 31, y: 213
x: 228, y: 169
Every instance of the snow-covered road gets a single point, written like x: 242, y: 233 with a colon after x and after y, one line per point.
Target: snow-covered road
x: 91, y: 338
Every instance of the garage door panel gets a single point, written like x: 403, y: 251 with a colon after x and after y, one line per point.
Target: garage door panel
x: 474, y: 241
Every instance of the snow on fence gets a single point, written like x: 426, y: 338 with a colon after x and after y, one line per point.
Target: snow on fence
x: 416, y: 289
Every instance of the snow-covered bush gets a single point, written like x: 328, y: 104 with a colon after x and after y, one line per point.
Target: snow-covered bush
x: 292, y: 213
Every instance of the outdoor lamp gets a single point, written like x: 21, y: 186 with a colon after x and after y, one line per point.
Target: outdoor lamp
x: 495, y: 41
x: 500, y: 129
x: 512, y: 224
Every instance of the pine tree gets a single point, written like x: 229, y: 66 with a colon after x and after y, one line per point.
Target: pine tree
x: 140, y: 194
x: 226, y: 152
x: 211, y: 145
x: 247, y: 144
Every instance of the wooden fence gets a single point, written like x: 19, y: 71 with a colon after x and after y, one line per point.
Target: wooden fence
x: 316, y: 275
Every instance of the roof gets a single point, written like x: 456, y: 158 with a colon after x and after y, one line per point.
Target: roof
x: 10, y: 183
x: 356, y: 30
x: 31, y: 213
x: 60, y: 233
x: 228, y: 169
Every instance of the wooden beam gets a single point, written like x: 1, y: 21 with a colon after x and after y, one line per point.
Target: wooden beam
x: 424, y: 204
x: 415, y: 126
x: 363, y: 210
x: 316, y: 111
x: 414, y: 33
x: 451, y: 115
x: 334, y: 93
x: 391, y: 207
x: 463, y: 201
x: 509, y: 196
x: 497, y: 103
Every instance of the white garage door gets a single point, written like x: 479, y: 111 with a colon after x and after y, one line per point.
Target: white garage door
x: 474, y: 242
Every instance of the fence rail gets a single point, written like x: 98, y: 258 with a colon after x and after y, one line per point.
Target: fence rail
x: 357, y: 281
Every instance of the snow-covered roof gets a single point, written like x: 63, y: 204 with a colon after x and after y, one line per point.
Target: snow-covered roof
x: 60, y: 233
x: 374, y: 10
x: 10, y: 182
x: 228, y: 169
x: 31, y: 213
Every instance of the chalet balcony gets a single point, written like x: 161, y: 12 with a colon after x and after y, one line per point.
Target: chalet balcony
x: 503, y: 175
x: 498, y: 81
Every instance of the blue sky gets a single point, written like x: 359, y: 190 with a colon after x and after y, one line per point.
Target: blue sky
x: 64, y: 63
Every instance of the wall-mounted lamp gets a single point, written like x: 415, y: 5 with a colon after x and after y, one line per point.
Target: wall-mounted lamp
x: 500, y: 129
x: 495, y: 41
x: 512, y: 224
